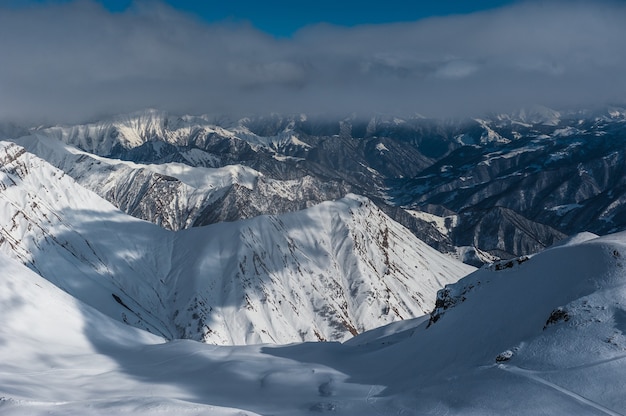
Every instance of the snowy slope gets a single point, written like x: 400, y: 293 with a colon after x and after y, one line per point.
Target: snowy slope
x: 541, y: 336
x: 59, y: 356
x: 324, y: 273
x: 171, y: 195
x: 80, y: 242
x: 63, y: 156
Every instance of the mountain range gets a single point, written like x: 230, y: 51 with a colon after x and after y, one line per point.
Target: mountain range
x: 324, y: 273
x: 296, y: 264
x: 506, y: 185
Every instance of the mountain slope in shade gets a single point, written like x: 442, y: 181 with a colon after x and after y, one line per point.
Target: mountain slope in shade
x: 539, y: 335
x: 544, y: 335
x: 60, y: 356
x: 80, y: 242
x: 327, y: 272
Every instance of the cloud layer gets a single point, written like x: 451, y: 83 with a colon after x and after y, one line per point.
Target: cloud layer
x: 75, y: 61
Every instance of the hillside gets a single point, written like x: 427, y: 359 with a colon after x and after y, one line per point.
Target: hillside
x: 324, y: 273
x: 537, y: 336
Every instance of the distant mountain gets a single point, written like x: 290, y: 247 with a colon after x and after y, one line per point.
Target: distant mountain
x: 565, y: 177
x: 291, y: 174
x: 178, y: 196
x: 325, y: 273
x: 512, y: 183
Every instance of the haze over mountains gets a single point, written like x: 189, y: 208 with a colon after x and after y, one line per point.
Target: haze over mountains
x: 131, y: 242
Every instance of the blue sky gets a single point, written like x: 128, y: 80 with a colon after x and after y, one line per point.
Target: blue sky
x: 67, y: 61
x: 282, y: 18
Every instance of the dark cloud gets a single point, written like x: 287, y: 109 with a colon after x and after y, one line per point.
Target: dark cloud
x: 72, y: 61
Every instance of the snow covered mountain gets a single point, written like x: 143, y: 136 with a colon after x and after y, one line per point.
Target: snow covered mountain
x: 560, y: 176
x: 301, y: 162
x: 178, y: 196
x: 513, y: 183
x: 538, y: 335
x: 80, y: 242
x: 324, y: 273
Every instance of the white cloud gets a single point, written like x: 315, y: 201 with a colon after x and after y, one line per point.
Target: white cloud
x: 73, y: 61
x: 456, y: 69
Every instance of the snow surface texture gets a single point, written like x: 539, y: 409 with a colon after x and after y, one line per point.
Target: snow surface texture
x: 325, y: 273
x: 540, y: 336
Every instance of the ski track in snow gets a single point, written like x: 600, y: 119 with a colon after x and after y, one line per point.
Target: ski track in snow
x: 534, y: 375
x: 580, y: 367
x: 371, y: 401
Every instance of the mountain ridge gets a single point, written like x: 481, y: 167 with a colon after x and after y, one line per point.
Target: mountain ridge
x: 456, y: 167
x: 194, y: 283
